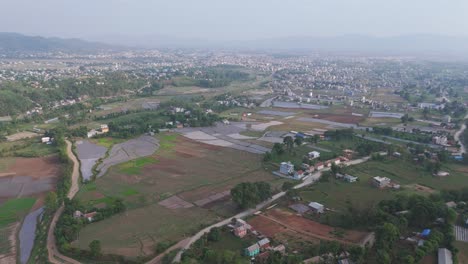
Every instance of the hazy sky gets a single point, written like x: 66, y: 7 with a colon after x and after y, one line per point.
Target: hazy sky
x: 233, y: 19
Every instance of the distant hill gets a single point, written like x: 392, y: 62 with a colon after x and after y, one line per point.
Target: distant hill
x: 18, y: 43
x: 416, y: 44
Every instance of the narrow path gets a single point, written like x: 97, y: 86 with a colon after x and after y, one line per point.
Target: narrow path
x: 459, y: 133
x: 308, y: 181
x: 54, y: 255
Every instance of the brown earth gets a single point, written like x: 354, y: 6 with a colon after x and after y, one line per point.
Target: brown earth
x: 35, y: 167
x: 277, y: 221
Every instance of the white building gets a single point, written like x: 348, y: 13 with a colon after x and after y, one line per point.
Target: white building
x: 381, y: 182
x: 444, y: 256
x: 318, y: 208
x: 286, y: 168
x: 314, y: 154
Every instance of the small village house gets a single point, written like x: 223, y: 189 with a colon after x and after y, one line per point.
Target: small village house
x: 317, y: 208
x: 252, y: 251
x: 240, y: 231
x: 380, y: 182
x: 314, y: 154
x: 264, y: 243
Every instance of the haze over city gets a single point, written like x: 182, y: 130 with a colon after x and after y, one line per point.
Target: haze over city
x: 234, y: 132
x: 224, y: 21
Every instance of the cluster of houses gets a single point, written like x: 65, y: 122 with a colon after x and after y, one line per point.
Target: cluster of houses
x: 102, y: 130
x: 287, y: 168
x: 262, y: 248
x: 88, y: 216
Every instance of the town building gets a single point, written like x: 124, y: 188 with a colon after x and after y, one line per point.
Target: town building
x: 286, y: 168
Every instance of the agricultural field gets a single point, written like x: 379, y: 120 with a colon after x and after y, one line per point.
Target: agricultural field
x: 11, y: 214
x: 293, y: 230
x: 169, y: 195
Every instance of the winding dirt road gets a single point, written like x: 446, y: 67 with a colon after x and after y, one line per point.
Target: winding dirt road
x: 54, y: 255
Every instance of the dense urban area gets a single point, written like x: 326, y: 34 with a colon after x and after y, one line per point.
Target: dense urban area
x: 194, y: 156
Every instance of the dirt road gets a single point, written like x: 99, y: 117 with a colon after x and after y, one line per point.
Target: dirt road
x: 458, y: 134
x: 54, y: 255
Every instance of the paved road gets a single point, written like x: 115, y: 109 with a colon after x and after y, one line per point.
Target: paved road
x: 54, y: 255
x: 308, y: 181
x: 459, y: 133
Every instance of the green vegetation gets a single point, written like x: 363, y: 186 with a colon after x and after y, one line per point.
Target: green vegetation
x: 249, y: 194
x: 107, y: 142
x: 223, y: 247
x: 12, y: 210
x: 134, y: 167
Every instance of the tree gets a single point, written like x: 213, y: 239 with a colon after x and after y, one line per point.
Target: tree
x: 277, y: 149
x: 298, y: 141
x: 425, y: 112
x: 289, y: 142
x: 95, y: 248
x: 214, y: 234
x: 51, y: 201
x: 267, y: 156
x: 249, y: 194
x: 287, y: 186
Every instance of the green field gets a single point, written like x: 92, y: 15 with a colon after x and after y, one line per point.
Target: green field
x: 107, y: 141
x: 406, y: 172
x: 12, y: 210
x: 336, y: 193
x: 136, y: 231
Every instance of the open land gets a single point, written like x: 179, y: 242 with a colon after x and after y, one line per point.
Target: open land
x: 275, y: 222
x: 169, y: 194
x: 131, y: 149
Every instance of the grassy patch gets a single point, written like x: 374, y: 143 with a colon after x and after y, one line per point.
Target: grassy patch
x: 13, y: 209
x: 167, y: 141
x: 251, y: 133
x: 5, y: 163
x: 130, y: 192
x: 107, y: 141
x: 134, y: 167
x: 462, y: 251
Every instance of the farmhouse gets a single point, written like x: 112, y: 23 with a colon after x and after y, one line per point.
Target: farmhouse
x: 264, y: 243
x: 240, y: 231
x: 314, y: 154
x: 45, y: 139
x: 299, y: 208
x: 286, y: 168
x: 298, y: 175
x: 380, y: 182
x: 444, y: 256
x: 319, y: 166
x: 316, y: 207
x: 346, y: 177
x: 252, y: 251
